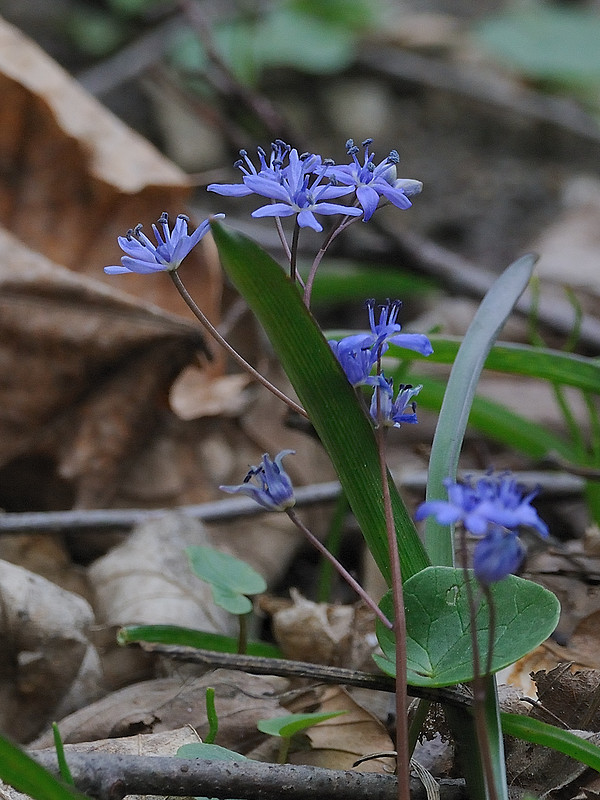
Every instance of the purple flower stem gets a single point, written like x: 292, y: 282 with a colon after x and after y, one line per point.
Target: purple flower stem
x: 343, y: 572
x: 478, y: 677
x: 232, y: 352
x: 318, y: 258
x: 403, y: 758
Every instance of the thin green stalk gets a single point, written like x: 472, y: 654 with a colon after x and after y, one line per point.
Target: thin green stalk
x: 211, y: 716
x: 201, y: 317
x: 294, y: 252
x: 63, y: 767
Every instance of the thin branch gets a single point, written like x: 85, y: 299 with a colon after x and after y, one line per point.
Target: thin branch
x: 551, y: 483
x: 258, y: 665
x: 112, y: 777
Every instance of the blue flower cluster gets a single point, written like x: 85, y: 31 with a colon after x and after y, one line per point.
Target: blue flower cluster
x: 268, y: 484
x: 492, y: 508
x: 360, y: 352
x: 304, y: 185
x: 143, y: 257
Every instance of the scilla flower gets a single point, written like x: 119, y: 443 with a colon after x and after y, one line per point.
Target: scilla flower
x: 166, y: 255
x: 372, y: 181
x: 387, y: 329
x: 393, y: 413
x: 493, y: 508
x: 268, y: 484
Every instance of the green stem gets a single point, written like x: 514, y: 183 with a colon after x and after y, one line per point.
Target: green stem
x: 63, y: 767
x: 211, y: 715
x: 200, y: 316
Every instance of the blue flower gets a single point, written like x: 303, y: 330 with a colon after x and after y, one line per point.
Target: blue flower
x: 494, y: 499
x: 269, y: 171
x: 497, y: 555
x: 356, y: 357
x: 493, y: 507
x: 387, y: 330
x: 392, y: 413
x: 268, y: 484
x: 171, y: 247
x: 372, y: 181
x: 299, y: 192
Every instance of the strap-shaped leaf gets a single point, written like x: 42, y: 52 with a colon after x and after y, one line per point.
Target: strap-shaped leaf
x: 324, y: 392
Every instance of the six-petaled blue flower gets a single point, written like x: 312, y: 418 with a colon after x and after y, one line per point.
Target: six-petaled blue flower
x: 166, y: 255
x: 371, y: 181
x: 268, y: 484
x: 493, y: 505
x: 392, y: 413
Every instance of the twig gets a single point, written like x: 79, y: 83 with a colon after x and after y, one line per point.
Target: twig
x: 257, y: 665
x: 555, y: 484
x: 111, y: 777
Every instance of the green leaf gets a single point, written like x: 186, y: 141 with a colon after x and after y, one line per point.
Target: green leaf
x: 210, y: 752
x: 497, y: 422
x: 546, y: 42
x: 554, y: 366
x: 491, y: 315
x: 188, y: 637
x: 343, y: 281
x: 231, y: 601
x: 438, y: 645
x: 224, y: 570
x: 24, y: 774
x: 325, y: 393
x: 532, y: 730
x: 294, y: 723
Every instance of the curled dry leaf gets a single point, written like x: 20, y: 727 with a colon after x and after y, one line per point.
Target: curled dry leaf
x: 48, y: 664
x: 168, y: 704
x: 323, y: 633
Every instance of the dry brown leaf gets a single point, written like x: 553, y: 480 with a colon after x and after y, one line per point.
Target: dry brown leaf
x: 338, y: 742
x: 85, y: 371
x: 48, y: 665
x: 167, y: 704
x: 322, y: 633
x: 148, y: 580
x: 76, y: 177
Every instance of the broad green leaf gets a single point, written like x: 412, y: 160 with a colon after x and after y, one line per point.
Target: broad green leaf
x: 483, y: 331
x: 188, y: 637
x: 225, y: 571
x: 294, y: 723
x: 546, y: 42
x: 554, y: 366
x: 324, y: 392
x: 343, y: 281
x: 438, y: 645
x: 532, y: 730
x: 210, y: 752
x: 498, y: 422
x: 24, y: 774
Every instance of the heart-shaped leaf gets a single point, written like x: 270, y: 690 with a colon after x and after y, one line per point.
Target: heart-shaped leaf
x: 230, y: 578
x: 438, y: 626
